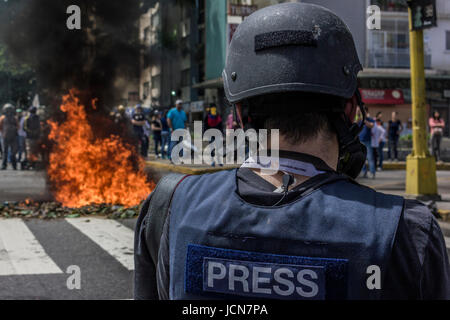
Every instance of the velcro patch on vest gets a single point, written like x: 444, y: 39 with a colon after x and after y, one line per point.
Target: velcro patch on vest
x: 218, y: 272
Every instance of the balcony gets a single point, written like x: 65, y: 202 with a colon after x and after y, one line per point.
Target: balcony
x: 392, y: 58
x: 391, y: 5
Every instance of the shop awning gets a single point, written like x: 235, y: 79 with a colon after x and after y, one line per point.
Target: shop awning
x: 382, y: 96
x: 209, y: 84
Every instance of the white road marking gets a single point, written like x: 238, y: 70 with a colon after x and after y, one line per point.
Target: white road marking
x: 447, y: 242
x: 110, y: 235
x: 20, y: 251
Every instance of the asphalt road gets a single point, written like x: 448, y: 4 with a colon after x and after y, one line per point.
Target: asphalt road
x: 35, y: 267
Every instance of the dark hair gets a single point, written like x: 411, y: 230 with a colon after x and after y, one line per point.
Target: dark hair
x: 434, y: 112
x: 299, y: 116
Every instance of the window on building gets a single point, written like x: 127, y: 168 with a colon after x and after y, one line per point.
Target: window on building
x: 156, y: 82
x: 146, y: 34
x: 186, y: 78
x: 389, y: 46
x: 186, y: 28
x: 133, y: 96
x: 447, y: 40
x: 146, y: 90
x: 146, y: 60
x: 154, y: 21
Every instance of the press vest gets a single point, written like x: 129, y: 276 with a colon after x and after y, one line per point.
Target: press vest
x: 325, y: 245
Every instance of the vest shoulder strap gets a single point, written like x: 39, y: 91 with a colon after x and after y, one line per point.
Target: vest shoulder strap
x: 158, y: 210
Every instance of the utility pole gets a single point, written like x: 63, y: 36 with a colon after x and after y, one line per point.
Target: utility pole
x: 420, y: 165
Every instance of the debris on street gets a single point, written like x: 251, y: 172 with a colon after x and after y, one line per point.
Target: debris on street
x: 53, y: 210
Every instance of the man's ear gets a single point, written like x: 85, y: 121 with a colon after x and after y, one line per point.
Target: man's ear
x: 350, y: 108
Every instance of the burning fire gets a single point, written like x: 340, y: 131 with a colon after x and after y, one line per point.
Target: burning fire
x: 85, y: 169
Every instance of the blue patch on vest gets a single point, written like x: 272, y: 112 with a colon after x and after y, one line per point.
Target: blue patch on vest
x: 222, y: 273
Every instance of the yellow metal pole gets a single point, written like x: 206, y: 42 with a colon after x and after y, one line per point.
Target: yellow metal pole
x: 420, y: 165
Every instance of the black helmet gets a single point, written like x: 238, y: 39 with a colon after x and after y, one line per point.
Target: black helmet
x: 299, y: 47
x: 291, y: 47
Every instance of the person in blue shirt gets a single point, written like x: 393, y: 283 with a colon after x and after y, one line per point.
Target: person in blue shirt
x: 366, y: 139
x: 176, y: 119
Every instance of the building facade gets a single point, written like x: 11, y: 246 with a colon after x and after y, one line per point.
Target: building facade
x: 186, y: 49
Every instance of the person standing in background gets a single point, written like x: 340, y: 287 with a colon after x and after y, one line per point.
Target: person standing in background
x: 165, y: 134
x: 382, y: 143
x: 437, y: 126
x: 176, y: 119
x: 32, y: 127
x: 138, y: 122
x: 375, y: 142
x: 395, y: 128
x: 366, y: 139
x: 146, y: 138
x: 213, y: 121
x: 22, y: 149
x: 156, y: 126
x: 379, y: 116
x: 8, y: 127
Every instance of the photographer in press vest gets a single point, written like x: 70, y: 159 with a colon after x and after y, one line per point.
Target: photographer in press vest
x: 309, y: 231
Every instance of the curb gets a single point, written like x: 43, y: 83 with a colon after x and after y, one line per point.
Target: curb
x: 445, y: 227
x: 203, y: 170
x: 402, y: 166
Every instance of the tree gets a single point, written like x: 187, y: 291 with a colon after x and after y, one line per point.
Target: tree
x: 17, y: 79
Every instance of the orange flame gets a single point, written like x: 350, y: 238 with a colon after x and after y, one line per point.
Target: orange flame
x: 85, y: 169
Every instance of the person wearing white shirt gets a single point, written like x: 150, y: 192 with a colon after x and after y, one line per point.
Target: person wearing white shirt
x: 375, y: 141
x: 381, y: 144
x: 22, y: 151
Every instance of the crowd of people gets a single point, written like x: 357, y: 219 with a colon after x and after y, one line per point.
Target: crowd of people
x: 20, y: 132
x: 376, y: 134
x: 157, y: 126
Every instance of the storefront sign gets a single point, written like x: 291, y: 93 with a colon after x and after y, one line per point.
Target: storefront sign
x: 434, y: 95
x: 374, y: 96
x: 241, y: 10
x: 432, y: 84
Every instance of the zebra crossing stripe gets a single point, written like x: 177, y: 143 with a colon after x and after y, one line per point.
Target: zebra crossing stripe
x: 20, y: 251
x: 447, y: 242
x: 110, y: 235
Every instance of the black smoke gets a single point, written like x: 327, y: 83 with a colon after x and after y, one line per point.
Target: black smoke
x: 90, y: 59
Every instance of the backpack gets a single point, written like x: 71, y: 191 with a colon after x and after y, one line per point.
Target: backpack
x: 9, y: 127
x: 32, y: 127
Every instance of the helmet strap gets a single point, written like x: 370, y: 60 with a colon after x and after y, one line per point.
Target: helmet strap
x: 352, y: 153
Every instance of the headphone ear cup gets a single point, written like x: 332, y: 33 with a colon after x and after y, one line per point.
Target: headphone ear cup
x: 353, y: 159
